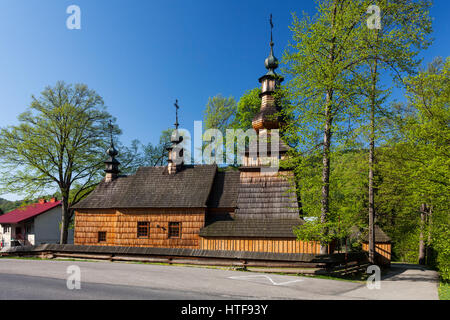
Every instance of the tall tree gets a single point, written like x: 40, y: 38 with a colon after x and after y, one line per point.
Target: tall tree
x: 393, y: 45
x: 59, y: 143
x: 412, y: 198
x: 321, y: 61
x: 248, y: 106
x: 427, y: 133
x: 219, y: 112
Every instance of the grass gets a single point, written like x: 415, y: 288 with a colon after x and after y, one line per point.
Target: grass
x: 444, y: 291
x: 38, y: 258
x: 358, y: 278
x: 20, y: 258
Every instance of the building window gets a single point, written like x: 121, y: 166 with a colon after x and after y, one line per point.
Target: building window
x: 174, y: 229
x: 29, y: 228
x: 6, y: 229
x: 102, y: 236
x: 143, y: 229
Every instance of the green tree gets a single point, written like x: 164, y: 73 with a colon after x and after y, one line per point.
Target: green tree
x: 427, y: 133
x: 219, y: 112
x: 394, y: 47
x: 321, y: 62
x: 414, y: 190
x: 248, y: 106
x: 140, y: 155
x: 59, y: 143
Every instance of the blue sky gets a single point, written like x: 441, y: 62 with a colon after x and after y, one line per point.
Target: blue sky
x: 142, y: 55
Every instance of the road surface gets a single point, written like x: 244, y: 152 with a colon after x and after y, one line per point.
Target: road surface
x: 47, y: 279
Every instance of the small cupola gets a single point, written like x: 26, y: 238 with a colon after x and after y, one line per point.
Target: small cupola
x: 265, y: 118
x: 175, y: 157
x: 112, y: 165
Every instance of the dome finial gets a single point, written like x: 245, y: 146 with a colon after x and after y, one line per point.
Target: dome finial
x: 112, y: 152
x: 271, y: 62
x: 112, y: 165
x: 176, y: 113
x: 271, y: 28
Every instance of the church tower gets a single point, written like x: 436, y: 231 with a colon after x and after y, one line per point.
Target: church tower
x: 112, y: 165
x: 266, y: 118
x: 175, y: 159
x: 267, y: 148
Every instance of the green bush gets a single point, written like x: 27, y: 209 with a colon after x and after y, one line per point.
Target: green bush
x: 444, y: 291
x: 441, y: 244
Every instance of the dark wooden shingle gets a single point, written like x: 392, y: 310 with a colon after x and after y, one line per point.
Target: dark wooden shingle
x: 254, y: 228
x: 153, y: 187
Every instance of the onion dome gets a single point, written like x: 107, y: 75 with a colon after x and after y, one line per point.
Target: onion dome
x: 112, y: 152
x: 271, y: 62
x: 112, y: 165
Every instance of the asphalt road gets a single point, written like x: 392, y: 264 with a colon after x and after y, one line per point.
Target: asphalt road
x: 47, y: 279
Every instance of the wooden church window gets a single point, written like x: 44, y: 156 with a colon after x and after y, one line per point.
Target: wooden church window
x: 143, y: 229
x: 174, y: 229
x: 101, y: 236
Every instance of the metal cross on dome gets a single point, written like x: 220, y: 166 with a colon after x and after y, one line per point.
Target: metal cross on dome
x: 110, y: 126
x: 271, y: 28
x: 176, y: 112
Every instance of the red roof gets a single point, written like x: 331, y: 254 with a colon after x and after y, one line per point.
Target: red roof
x: 27, y: 212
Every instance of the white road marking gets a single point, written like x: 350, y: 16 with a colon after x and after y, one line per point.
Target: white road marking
x: 264, y: 276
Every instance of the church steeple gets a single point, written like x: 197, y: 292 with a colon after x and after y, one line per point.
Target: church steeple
x: 112, y: 165
x: 271, y: 62
x: 265, y: 118
x: 174, y: 162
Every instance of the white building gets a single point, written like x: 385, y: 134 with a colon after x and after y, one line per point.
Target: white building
x: 34, y: 224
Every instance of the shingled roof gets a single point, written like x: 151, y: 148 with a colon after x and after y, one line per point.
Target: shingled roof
x: 264, y: 197
x: 153, y: 187
x: 224, y: 192
x: 380, y: 236
x: 254, y: 228
x: 255, y: 147
x: 266, y: 208
x: 363, y: 235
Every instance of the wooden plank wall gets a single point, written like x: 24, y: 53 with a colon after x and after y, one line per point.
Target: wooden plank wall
x: 383, y: 249
x: 88, y: 224
x: 260, y: 245
x: 121, y: 227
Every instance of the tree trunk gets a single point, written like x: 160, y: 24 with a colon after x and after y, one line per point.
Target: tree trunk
x: 326, y: 172
x: 65, y: 218
x: 428, y: 245
x: 372, y: 252
x: 423, y: 214
x: 327, y: 141
x: 371, y: 201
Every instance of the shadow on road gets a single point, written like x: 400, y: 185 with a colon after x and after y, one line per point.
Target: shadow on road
x: 409, y: 272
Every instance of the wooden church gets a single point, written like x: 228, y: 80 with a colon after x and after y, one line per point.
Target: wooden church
x: 199, y: 206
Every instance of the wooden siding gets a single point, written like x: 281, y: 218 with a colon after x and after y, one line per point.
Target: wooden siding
x: 121, y: 227
x: 88, y: 224
x: 383, y: 249
x: 260, y: 245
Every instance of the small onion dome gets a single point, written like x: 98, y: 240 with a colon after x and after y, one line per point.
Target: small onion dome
x: 175, y: 137
x: 112, y: 152
x: 271, y: 63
